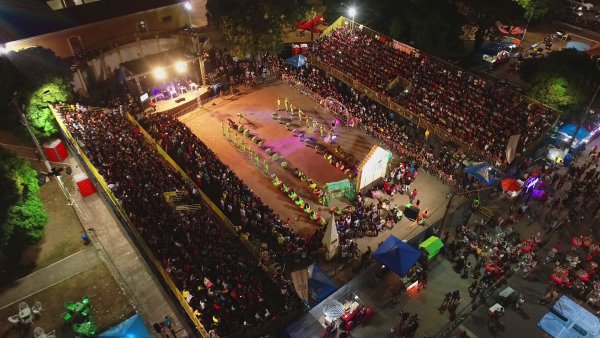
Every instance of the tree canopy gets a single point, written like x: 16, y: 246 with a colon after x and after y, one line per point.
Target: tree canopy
x: 542, y: 9
x: 22, y: 215
x: 54, y: 91
x: 484, y: 15
x: 251, y: 26
x: 25, y: 72
x: 564, y: 79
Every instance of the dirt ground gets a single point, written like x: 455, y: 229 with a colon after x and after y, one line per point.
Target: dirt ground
x: 256, y: 108
x: 109, y: 305
x: 61, y: 239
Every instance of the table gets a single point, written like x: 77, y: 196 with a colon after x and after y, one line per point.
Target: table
x: 495, y: 307
x: 507, y: 292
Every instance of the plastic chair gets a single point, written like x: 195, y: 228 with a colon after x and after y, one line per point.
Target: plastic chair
x: 23, y: 306
x: 38, y: 332
x: 51, y: 334
x: 14, y: 319
x: 67, y: 317
x: 85, y: 300
x: 37, y: 308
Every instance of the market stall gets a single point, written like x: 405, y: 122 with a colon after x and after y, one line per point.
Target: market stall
x: 344, y: 314
x: 400, y: 258
x: 432, y: 246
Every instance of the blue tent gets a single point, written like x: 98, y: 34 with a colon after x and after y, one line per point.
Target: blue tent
x: 569, y: 130
x: 319, y: 284
x: 397, y: 255
x: 580, y: 46
x: 297, y: 61
x: 483, y: 172
x: 133, y: 327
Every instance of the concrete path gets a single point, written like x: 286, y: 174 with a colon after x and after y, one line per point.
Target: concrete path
x: 49, y: 276
x: 125, y: 261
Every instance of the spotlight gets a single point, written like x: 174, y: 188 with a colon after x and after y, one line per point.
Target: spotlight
x: 160, y: 73
x: 187, y: 5
x: 180, y: 67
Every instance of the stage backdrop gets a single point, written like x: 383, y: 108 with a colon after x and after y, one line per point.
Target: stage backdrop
x: 373, y: 167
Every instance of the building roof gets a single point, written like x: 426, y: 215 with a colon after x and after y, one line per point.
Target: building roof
x: 27, y: 18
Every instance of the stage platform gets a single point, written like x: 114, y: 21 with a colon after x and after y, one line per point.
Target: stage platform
x: 175, y: 105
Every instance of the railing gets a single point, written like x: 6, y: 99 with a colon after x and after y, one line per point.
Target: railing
x: 256, y: 330
x: 100, y: 47
x: 126, y: 221
x: 403, y: 112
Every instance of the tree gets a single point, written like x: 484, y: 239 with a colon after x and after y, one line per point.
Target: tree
x: 39, y: 114
x: 564, y: 79
x: 484, y: 15
x: 436, y: 27
x: 25, y: 72
x: 539, y: 10
x: 22, y: 215
x: 250, y: 27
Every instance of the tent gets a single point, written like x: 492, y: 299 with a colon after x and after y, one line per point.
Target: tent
x: 297, y: 61
x: 319, y: 285
x: 396, y: 255
x: 331, y: 239
x: 510, y: 184
x: 483, y: 172
x: 132, y: 327
x: 568, y: 319
x: 432, y: 245
x: 568, y: 130
x: 580, y: 46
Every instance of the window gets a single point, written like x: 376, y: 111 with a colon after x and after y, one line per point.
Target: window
x: 167, y: 18
x: 76, y: 44
x: 141, y: 26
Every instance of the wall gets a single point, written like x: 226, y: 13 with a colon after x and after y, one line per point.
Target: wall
x: 103, y: 67
x: 96, y: 33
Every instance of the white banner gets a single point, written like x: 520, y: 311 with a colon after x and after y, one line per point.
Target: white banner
x: 403, y: 47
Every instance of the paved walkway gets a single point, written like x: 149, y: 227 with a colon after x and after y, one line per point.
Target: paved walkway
x: 49, y: 276
x: 125, y: 261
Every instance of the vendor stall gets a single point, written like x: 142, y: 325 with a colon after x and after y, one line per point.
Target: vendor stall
x: 432, y: 246
x: 345, y: 314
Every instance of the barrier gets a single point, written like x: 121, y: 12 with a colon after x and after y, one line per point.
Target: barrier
x: 128, y: 224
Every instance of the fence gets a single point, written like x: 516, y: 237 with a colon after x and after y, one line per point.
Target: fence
x: 256, y: 330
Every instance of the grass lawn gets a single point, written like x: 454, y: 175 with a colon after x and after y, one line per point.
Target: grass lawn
x: 62, y: 238
x: 110, y: 306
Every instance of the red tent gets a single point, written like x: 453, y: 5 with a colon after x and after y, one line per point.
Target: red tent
x: 510, y: 184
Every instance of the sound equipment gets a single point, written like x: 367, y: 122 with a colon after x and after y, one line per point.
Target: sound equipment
x: 180, y: 99
x: 411, y: 213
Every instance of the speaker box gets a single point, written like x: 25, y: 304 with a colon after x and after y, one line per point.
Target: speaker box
x: 411, y: 213
x: 180, y: 99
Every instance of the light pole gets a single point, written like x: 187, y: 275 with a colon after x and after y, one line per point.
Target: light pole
x: 587, y: 110
x: 188, y: 8
x: 61, y: 185
x: 352, y: 14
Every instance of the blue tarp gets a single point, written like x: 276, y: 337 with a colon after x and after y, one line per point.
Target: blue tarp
x: 482, y: 172
x: 396, y: 255
x: 131, y: 328
x: 297, y: 61
x: 319, y: 284
x: 569, y: 130
x: 580, y: 46
x: 569, y: 319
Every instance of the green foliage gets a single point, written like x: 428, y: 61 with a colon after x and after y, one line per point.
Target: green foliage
x: 563, y: 79
x: 484, y: 15
x: 542, y: 9
x: 39, y: 114
x: 25, y: 72
x: 251, y: 26
x: 22, y: 215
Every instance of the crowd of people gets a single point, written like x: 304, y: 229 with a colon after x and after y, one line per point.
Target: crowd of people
x: 227, y: 190
x: 226, y: 289
x: 374, y: 119
x: 481, y: 112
